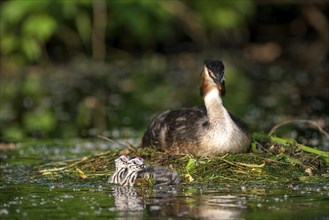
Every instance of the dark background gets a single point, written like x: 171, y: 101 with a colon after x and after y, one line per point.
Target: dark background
x: 81, y: 68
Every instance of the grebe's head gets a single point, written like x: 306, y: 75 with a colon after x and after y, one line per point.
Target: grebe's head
x: 122, y: 161
x: 136, y: 163
x: 213, y: 74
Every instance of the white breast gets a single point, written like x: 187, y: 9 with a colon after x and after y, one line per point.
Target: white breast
x: 223, y: 135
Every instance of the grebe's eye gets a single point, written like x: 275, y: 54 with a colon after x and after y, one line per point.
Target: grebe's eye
x: 124, y: 157
x: 138, y: 160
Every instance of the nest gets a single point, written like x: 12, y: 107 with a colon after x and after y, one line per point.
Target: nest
x: 272, y: 160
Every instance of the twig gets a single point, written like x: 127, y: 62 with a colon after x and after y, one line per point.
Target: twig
x: 65, y: 167
x: 58, y: 163
x: 322, y: 131
x: 254, y: 147
x: 241, y: 165
x: 130, y: 146
x: 110, y: 140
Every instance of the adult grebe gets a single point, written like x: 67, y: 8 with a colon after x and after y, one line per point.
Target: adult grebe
x: 202, y: 131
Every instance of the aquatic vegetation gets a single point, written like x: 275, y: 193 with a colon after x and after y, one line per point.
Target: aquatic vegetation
x: 272, y: 160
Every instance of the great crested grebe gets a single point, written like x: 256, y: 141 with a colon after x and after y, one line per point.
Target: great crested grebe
x: 134, y: 166
x: 121, y: 168
x: 127, y: 171
x: 161, y: 175
x: 202, y: 131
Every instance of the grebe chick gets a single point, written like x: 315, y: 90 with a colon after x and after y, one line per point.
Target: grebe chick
x: 161, y: 175
x: 206, y: 130
x: 134, y: 166
x: 120, y: 169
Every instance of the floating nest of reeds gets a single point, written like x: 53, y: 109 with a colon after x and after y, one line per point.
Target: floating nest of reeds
x: 272, y: 160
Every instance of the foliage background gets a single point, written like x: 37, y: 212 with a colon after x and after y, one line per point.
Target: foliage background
x: 80, y: 68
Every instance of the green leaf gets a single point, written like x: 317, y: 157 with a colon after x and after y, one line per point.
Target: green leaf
x: 228, y: 18
x: 13, y: 132
x: 31, y: 49
x: 84, y: 25
x: 191, y: 164
x: 40, y: 26
x: 14, y: 11
x: 43, y: 121
x: 32, y: 86
x: 8, y: 43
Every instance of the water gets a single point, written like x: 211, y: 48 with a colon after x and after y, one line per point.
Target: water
x: 25, y: 197
x: 35, y: 201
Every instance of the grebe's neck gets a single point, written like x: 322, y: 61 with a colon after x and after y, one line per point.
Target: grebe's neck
x: 215, y: 109
x: 213, y: 97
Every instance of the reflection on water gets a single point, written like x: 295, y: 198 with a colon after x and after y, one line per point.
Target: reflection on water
x: 37, y: 200
x: 167, y: 201
x: 187, y: 204
x: 227, y: 207
x: 128, y: 202
x: 203, y: 203
x: 127, y: 199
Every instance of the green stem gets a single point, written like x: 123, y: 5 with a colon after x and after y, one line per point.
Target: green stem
x: 323, y: 154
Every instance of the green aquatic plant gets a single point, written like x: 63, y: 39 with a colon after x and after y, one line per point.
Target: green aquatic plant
x: 269, y: 162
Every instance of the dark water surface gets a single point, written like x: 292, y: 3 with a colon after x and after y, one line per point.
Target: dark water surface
x: 23, y: 197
